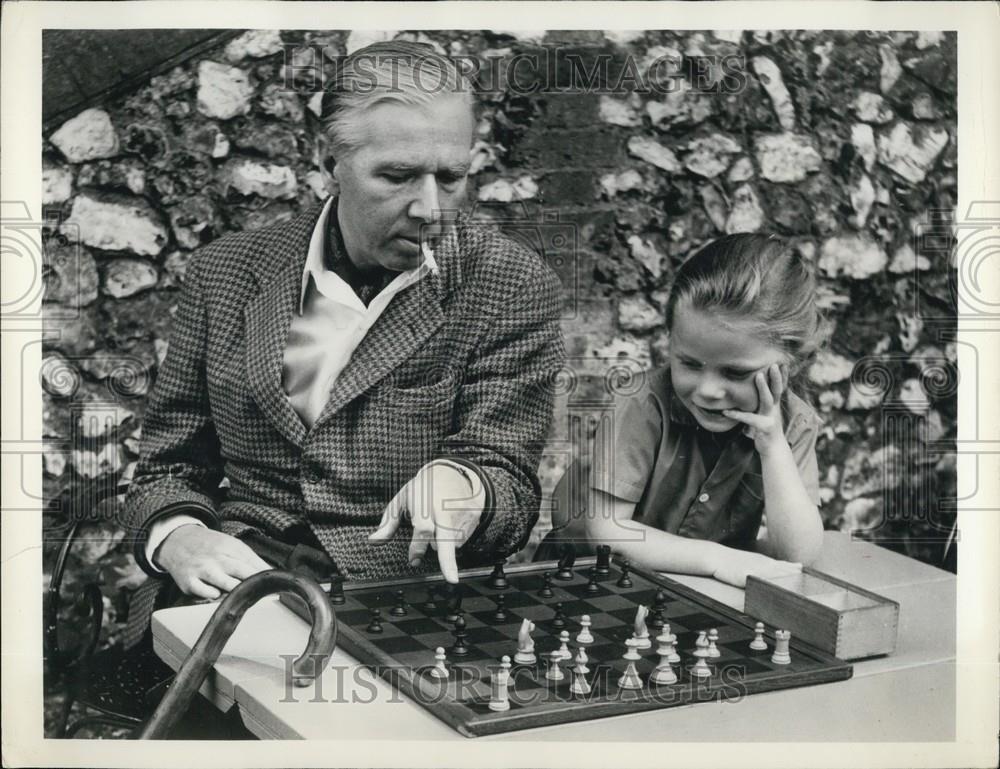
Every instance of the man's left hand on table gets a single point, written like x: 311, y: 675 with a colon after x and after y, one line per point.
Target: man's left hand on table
x: 444, y: 504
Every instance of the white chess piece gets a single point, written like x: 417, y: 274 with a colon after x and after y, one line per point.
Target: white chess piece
x: 580, y: 670
x: 701, y: 669
x: 584, y: 636
x: 525, y: 645
x: 499, y: 699
x: 630, y: 678
x: 672, y: 656
x: 440, y: 670
x: 564, y: 651
x: 701, y: 645
x: 641, y: 631
x: 713, y: 637
x: 663, y: 673
x: 758, y: 643
x: 554, y: 673
x: 781, y: 640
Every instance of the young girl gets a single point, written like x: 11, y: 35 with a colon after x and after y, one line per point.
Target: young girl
x: 683, y: 471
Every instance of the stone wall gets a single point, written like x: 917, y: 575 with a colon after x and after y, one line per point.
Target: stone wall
x: 844, y: 142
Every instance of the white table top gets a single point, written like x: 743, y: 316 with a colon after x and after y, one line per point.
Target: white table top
x: 911, y: 691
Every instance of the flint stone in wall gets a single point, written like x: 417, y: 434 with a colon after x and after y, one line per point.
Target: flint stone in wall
x: 715, y: 205
x: 770, y: 77
x: 503, y: 191
x: 70, y: 274
x: 680, y: 107
x: 872, y: 108
x: 862, y: 514
x: 271, y: 140
x: 647, y: 254
x: 635, y: 313
x: 57, y: 185
x: 88, y: 136
x: 708, y: 156
x: 127, y: 277
x: 786, y: 157
x: 54, y: 463
x: 97, y: 464
x: 853, y: 256
x: 612, y: 184
x: 830, y: 368
x: 124, y: 175
x: 223, y: 92
x: 653, y: 153
x: 863, y: 139
x: 190, y: 219
x: 268, y: 180
x: 618, y: 112
x: 891, y: 68
x: 746, y: 214
x: 255, y: 44
x: 742, y: 170
x: 908, y: 154
x: 905, y: 260
x: 174, y: 82
x: 862, y: 198
x: 862, y: 397
x: 278, y: 102
x: 116, y: 224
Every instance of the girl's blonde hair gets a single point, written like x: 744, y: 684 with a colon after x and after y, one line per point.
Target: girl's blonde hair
x: 759, y: 278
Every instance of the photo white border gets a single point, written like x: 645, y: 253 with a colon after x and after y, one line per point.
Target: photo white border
x: 978, y: 577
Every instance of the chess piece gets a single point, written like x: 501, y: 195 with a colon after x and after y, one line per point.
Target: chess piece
x: 337, y: 590
x: 565, y: 572
x: 603, y: 566
x: 624, y: 581
x: 499, y: 698
x: 641, y: 631
x: 630, y: 678
x: 498, y: 580
x: 460, y: 649
x: 672, y: 656
x: 559, y: 621
x: 554, y: 673
x: 500, y: 615
x: 580, y: 670
x: 525, y: 645
x: 592, y: 587
x: 701, y: 669
x: 564, y: 651
x: 375, y: 626
x: 452, y: 595
x: 663, y: 673
x: 584, y: 636
x: 546, y: 591
x: 758, y: 644
x: 713, y: 639
x: 440, y: 670
x: 782, y: 638
x: 430, y: 605
x: 399, y: 610
x: 701, y: 645
x: 657, y: 621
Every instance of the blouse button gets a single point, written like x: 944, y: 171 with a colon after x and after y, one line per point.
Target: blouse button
x: 703, y: 497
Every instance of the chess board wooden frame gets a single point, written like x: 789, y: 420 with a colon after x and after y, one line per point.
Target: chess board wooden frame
x: 428, y: 693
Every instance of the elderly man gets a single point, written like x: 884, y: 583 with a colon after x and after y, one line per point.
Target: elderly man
x: 371, y: 378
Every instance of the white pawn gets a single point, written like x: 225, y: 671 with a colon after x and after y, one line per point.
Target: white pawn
x: 713, y: 637
x: 672, y: 655
x: 630, y: 678
x: 554, y: 673
x: 584, y: 636
x: 641, y: 631
x: 525, y: 645
x: 701, y: 645
x: 499, y: 699
x: 580, y: 670
x: 440, y: 670
x: 781, y: 641
x: 663, y: 673
x: 564, y: 652
x: 758, y: 643
x: 701, y: 669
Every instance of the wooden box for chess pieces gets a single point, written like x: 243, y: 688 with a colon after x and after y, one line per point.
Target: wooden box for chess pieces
x: 832, y: 615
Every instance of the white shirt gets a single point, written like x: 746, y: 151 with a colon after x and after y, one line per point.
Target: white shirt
x: 331, y: 322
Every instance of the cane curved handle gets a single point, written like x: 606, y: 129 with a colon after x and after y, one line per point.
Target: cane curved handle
x: 308, y: 666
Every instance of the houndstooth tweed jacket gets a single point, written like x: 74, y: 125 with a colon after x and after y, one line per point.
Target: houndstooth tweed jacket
x: 459, y: 365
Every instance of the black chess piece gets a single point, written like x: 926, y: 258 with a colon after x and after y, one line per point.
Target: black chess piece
x: 337, y: 590
x: 592, y: 587
x: 656, y: 619
x: 565, y: 572
x: 500, y: 615
x: 546, y: 591
x: 624, y: 580
x: 559, y: 621
x: 453, y: 600
x: 460, y: 649
x: 498, y: 580
x: 399, y: 610
x: 603, y: 565
x: 375, y: 626
x: 430, y: 605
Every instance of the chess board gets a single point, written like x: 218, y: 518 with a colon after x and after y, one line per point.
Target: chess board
x: 403, y: 653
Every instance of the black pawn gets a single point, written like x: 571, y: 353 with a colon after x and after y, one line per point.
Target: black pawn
x: 624, y: 580
x: 565, y: 572
x: 399, y: 610
x: 603, y: 560
x: 498, y: 580
x: 430, y: 605
x: 460, y: 649
x: 337, y: 591
x: 660, y: 601
x: 559, y: 621
x: 375, y: 626
x: 500, y: 615
x: 592, y: 587
x: 546, y: 591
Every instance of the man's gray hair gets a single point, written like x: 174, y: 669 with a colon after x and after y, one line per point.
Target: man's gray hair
x: 396, y: 70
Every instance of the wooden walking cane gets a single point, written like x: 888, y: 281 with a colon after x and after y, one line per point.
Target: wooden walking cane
x: 308, y: 666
